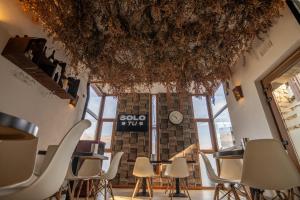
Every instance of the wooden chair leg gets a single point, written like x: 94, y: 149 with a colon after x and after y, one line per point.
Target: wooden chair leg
x: 87, y: 190
x: 148, y: 183
x: 136, y: 187
x: 247, y: 193
x: 168, y: 185
x: 171, y: 191
x: 187, y: 189
x: 79, y: 190
x: 216, y: 194
x: 111, y: 190
x: 235, y: 194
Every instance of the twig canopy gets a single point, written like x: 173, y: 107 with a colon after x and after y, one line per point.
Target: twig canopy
x: 182, y: 44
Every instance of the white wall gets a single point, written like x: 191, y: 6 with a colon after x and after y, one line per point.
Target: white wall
x: 251, y: 116
x: 22, y: 96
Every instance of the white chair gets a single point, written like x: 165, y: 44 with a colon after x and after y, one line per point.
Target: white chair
x: 220, y: 182
x: 267, y: 166
x: 231, y: 169
x: 79, y: 180
x: 106, y: 178
x: 143, y: 169
x: 179, y: 169
x: 49, y: 182
x: 17, y: 161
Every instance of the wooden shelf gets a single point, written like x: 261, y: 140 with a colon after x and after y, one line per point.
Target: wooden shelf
x: 14, y: 52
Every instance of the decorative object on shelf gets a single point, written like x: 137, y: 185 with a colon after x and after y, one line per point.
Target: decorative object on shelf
x: 294, y: 5
x: 238, y: 92
x: 132, y: 123
x: 73, y: 86
x: 176, y: 117
x: 74, y: 101
x: 29, y: 54
x: 184, y: 45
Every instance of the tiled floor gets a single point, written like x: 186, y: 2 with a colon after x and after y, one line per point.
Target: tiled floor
x: 125, y: 194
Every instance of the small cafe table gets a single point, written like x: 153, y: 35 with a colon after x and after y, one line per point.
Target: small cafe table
x: 229, y: 153
x: 177, y: 193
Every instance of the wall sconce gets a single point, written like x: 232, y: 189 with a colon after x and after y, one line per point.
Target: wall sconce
x: 74, y: 101
x: 238, y: 92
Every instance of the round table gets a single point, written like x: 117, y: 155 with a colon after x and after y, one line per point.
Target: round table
x: 14, y: 128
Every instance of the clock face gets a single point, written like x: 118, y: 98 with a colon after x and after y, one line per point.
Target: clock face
x: 176, y: 117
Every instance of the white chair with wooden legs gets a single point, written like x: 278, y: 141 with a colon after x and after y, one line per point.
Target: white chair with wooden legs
x: 221, y: 182
x: 267, y: 166
x: 90, y: 168
x: 179, y: 169
x: 106, y: 178
x: 50, y: 181
x: 143, y: 169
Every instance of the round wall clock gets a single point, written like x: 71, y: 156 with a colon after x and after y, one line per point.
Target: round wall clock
x: 176, y: 117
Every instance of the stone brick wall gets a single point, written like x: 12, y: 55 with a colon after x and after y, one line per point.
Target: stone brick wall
x: 174, y: 140
x: 178, y: 140
x: 133, y: 144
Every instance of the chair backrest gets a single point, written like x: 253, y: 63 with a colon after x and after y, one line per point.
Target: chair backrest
x: 52, y: 178
x: 17, y: 160
x: 209, y: 169
x: 113, y: 167
x: 231, y: 169
x: 143, y: 167
x: 267, y: 166
x: 167, y: 169
x: 179, y: 168
x: 90, y: 167
x: 51, y: 149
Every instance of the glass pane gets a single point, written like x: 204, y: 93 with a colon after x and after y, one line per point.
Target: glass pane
x: 110, y: 107
x: 94, y: 102
x: 90, y: 133
x: 219, y: 100
x: 154, y: 141
x: 204, y: 135
x: 153, y: 110
x: 205, y: 180
x: 106, y: 163
x: 154, y: 132
x: 224, y: 129
x: 106, y: 133
x: 200, y: 107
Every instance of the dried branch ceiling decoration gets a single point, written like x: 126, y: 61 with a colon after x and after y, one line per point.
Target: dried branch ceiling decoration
x: 181, y: 44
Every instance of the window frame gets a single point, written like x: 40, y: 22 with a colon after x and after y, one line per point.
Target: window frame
x: 208, y: 120
x: 100, y: 120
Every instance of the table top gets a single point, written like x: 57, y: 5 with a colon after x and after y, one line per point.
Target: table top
x: 89, y: 155
x: 14, y: 128
x: 164, y: 161
x: 230, y: 153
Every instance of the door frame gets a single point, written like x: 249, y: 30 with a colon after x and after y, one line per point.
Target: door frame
x: 286, y: 65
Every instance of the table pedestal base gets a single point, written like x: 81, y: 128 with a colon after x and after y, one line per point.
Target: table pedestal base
x: 142, y: 194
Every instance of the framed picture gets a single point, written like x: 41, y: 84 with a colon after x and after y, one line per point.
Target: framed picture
x: 294, y: 6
